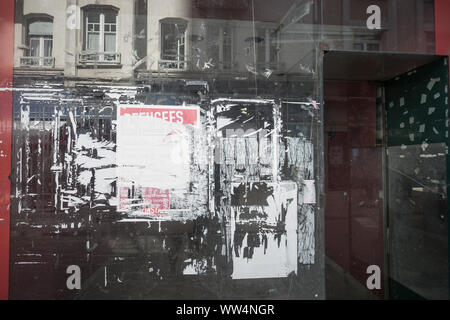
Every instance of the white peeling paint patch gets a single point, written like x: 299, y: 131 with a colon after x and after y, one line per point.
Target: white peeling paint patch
x: 309, y: 193
x: 306, y: 240
x: 196, y: 267
x: 190, y: 270
x: 301, y: 155
x: 428, y: 155
x: 259, y: 101
x: 272, y: 258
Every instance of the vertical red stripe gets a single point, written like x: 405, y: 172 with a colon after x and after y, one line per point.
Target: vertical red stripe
x: 6, y: 79
x: 442, y: 26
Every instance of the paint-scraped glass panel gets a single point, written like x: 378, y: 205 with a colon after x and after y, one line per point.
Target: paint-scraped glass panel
x: 227, y: 149
x: 178, y: 143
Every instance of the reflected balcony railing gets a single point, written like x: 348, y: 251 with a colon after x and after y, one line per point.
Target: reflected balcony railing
x: 37, y: 62
x: 99, y: 58
x: 172, y: 62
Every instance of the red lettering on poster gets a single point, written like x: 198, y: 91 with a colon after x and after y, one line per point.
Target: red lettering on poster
x: 186, y: 116
x: 154, y: 201
x: 159, y: 198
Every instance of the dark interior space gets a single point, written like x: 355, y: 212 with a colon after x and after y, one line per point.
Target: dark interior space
x: 366, y: 215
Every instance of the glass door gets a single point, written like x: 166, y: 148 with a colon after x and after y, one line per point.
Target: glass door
x: 417, y: 160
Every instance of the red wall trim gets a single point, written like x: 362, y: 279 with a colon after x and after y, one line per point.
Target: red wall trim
x: 6, y: 79
x: 442, y: 26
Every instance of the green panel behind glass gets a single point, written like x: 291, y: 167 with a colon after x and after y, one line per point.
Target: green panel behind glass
x: 417, y: 105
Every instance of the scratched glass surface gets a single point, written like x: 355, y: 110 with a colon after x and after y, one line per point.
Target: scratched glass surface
x: 184, y: 150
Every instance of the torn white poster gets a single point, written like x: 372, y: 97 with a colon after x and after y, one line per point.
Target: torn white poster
x: 153, y: 155
x: 265, y: 237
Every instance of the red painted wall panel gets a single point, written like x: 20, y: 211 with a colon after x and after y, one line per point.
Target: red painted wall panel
x: 6, y: 78
x: 354, y: 236
x: 442, y: 22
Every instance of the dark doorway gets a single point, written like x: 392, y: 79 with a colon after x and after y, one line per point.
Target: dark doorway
x: 382, y: 208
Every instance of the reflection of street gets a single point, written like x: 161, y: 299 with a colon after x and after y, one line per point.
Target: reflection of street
x: 69, y: 212
x: 116, y: 258
x: 96, y: 167
x: 75, y: 221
